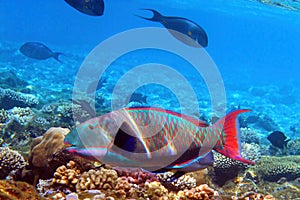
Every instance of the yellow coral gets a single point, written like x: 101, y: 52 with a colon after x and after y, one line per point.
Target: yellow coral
x: 103, y: 179
x: 67, y: 175
x: 155, y: 190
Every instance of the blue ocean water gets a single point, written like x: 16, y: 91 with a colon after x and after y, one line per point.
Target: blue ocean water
x: 254, y: 46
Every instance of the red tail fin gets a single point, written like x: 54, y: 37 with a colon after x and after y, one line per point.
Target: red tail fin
x: 231, y: 140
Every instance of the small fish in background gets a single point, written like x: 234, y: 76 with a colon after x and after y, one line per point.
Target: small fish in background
x: 192, y: 33
x: 278, y: 139
x: 38, y: 51
x: 89, y: 7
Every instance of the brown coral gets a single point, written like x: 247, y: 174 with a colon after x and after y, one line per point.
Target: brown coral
x: 67, y: 176
x: 10, y: 160
x: 103, y: 179
x: 42, y: 148
x: 11, y: 190
x: 201, y: 192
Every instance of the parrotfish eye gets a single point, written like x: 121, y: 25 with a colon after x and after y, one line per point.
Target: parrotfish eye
x: 190, y: 33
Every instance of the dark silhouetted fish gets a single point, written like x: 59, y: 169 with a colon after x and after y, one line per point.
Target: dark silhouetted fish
x: 192, y: 34
x: 89, y: 7
x: 38, y: 51
x: 278, y: 139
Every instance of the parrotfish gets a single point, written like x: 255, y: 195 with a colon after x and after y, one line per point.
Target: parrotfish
x: 89, y: 7
x: 38, y: 51
x: 156, y: 139
x: 190, y: 32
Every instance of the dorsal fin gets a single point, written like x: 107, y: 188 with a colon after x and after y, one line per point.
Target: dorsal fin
x: 193, y: 120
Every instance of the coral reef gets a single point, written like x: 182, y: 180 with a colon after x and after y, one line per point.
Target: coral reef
x: 254, y: 196
x: 102, y: 179
x: 136, y: 176
x: 11, y: 190
x: 155, y: 190
x: 4, y: 115
x: 10, y: 160
x: 250, y: 135
x: 226, y: 168
x: 22, y: 115
x: 70, y: 111
x: 293, y: 147
x: 201, y: 192
x: 67, y: 175
x: 273, y: 168
x: 183, y: 182
x: 10, y: 98
x: 42, y: 148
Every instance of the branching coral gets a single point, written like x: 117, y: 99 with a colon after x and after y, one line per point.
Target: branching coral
x: 10, y: 160
x: 22, y: 115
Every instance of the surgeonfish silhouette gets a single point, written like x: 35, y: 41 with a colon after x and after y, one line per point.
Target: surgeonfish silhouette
x: 38, y: 51
x: 89, y: 7
x: 192, y: 34
x: 278, y: 139
x: 156, y: 140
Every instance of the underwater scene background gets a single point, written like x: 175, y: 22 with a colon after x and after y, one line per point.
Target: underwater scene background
x: 253, y: 44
